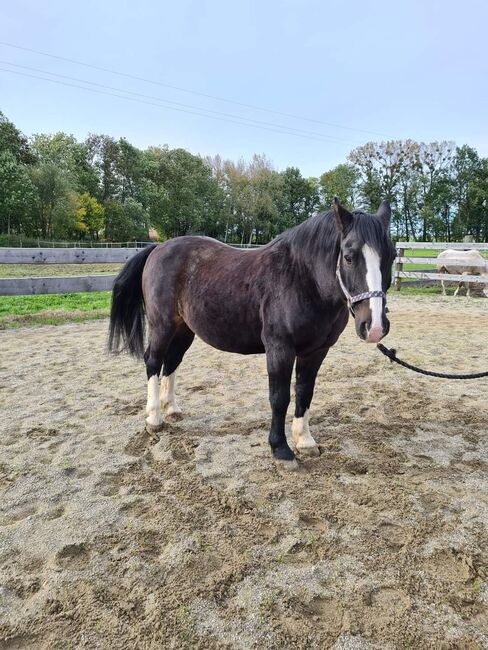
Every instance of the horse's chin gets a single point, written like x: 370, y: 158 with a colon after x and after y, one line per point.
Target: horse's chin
x: 375, y: 336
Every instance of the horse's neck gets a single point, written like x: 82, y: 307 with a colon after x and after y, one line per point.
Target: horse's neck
x: 319, y: 265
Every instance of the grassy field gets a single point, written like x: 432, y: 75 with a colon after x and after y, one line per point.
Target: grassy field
x: 52, y: 309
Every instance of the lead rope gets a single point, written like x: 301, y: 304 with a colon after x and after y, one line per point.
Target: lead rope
x: 391, y: 354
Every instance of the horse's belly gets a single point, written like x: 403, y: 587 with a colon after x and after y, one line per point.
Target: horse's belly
x: 225, y: 331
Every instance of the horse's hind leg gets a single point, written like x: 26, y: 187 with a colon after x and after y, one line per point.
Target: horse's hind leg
x: 279, y: 359
x: 159, y: 341
x: 306, y: 373
x: 174, y: 355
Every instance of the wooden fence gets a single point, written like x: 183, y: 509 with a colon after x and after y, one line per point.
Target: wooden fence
x: 428, y: 275
x: 66, y: 284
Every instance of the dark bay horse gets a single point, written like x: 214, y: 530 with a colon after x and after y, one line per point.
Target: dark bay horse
x: 289, y: 299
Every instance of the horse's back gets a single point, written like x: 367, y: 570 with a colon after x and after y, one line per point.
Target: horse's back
x: 458, y: 262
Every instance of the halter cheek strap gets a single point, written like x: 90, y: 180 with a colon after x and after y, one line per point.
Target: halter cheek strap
x: 352, y: 300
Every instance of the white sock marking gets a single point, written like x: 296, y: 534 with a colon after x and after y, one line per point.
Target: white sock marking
x: 167, y: 395
x: 300, y: 432
x: 153, y: 407
x: 374, y: 281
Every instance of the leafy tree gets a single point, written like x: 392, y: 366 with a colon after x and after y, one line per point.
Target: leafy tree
x: 14, y: 142
x: 342, y: 181
x: 17, y: 195
x: 300, y: 196
x: 53, y: 188
x: 125, y: 221
x: 70, y: 156
x: 103, y: 154
x: 130, y: 169
x: 470, y: 189
x: 92, y: 215
x: 138, y: 217
x: 181, y: 191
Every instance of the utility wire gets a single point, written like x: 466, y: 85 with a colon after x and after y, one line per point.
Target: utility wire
x: 171, y: 108
x: 192, y: 92
x: 327, y: 138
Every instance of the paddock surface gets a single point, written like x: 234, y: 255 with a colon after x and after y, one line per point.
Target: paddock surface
x: 110, y: 540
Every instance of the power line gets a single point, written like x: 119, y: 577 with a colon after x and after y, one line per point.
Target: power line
x: 171, y: 108
x: 192, y: 92
x: 164, y: 102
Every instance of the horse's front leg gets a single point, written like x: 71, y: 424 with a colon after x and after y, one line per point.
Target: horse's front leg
x: 280, y: 359
x: 306, y: 373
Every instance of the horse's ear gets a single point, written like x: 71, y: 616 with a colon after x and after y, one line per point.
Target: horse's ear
x: 343, y: 217
x: 384, y: 214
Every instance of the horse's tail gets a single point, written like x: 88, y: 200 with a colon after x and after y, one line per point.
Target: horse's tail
x: 127, y: 312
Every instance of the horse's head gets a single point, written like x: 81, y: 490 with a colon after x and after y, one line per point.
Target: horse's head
x: 364, y: 267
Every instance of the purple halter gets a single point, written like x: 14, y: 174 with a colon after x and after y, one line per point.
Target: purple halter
x: 352, y: 300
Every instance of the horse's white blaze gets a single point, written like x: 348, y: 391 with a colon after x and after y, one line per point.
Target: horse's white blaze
x: 374, y: 281
x: 300, y: 432
x: 167, y: 395
x: 153, y: 407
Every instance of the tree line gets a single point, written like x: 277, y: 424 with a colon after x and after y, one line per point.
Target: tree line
x: 54, y: 187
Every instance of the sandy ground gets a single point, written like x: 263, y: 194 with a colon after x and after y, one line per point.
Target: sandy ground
x: 110, y: 540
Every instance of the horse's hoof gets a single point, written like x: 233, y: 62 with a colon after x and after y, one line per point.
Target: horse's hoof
x: 308, y: 451
x: 154, y: 429
x: 173, y: 415
x: 289, y: 465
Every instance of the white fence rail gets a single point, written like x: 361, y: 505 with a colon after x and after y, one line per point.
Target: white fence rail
x: 430, y: 275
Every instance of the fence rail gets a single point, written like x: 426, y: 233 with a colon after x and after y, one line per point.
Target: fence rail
x: 430, y: 275
x: 66, y: 255
x: 69, y: 284
x: 439, y: 245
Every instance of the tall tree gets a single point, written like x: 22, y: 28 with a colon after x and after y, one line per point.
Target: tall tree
x: 54, y: 195
x: 103, y: 154
x: 341, y: 181
x: 70, y: 156
x: 13, y: 141
x: 17, y: 195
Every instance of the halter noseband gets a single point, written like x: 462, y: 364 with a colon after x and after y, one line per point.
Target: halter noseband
x: 352, y: 300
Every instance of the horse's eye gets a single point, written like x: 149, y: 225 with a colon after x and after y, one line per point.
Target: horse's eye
x: 348, y: 259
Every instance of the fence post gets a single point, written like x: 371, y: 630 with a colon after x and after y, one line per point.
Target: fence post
x: 399, y: 268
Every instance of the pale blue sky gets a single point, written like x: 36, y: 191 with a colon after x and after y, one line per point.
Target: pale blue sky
x: 401, y: 69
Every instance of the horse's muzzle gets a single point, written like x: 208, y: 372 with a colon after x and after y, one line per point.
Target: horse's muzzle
x: 372, y: 334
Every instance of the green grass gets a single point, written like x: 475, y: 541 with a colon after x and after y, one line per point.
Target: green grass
x: 52, y: 309
x: 417, y: 291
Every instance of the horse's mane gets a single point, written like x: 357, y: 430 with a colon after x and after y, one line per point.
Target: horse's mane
x: 319, y: 236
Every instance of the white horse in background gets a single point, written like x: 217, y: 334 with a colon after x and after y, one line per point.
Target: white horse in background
x: 469, y: 262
